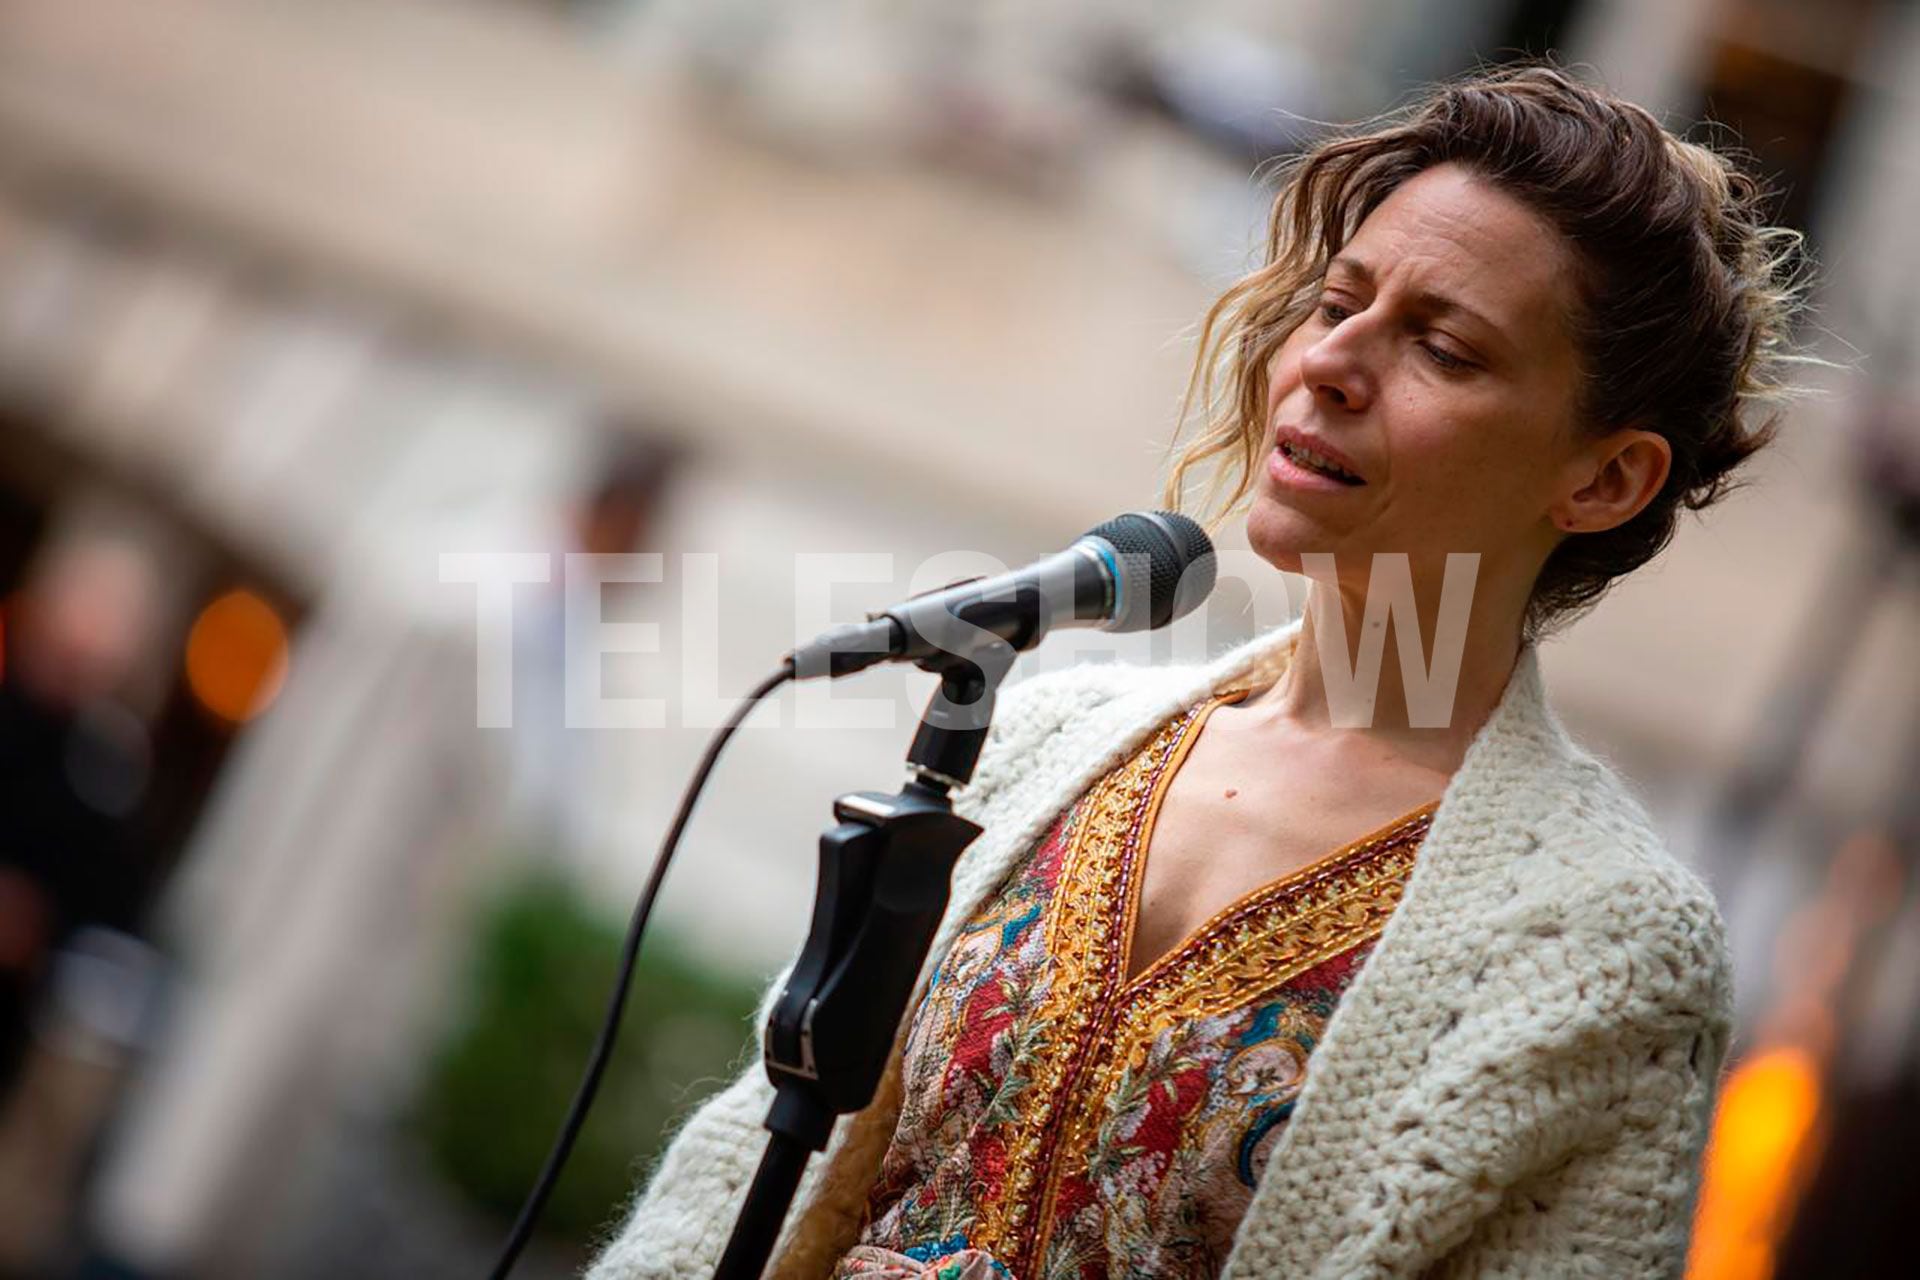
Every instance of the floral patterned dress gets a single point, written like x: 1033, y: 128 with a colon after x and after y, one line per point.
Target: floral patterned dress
x: 1064, y: 1122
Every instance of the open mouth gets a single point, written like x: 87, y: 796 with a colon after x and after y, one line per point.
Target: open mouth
x: 1311, y: 461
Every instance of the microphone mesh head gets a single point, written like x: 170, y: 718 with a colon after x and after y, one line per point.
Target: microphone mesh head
x: 1167, y: 566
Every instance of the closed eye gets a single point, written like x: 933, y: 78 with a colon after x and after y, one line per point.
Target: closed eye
x: 1332, y: 312
x: 1444, y: 358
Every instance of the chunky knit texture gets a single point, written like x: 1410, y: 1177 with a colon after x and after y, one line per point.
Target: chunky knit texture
x: 1518, y: 1084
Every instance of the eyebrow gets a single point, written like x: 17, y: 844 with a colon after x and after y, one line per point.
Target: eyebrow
x: 1438, y: 304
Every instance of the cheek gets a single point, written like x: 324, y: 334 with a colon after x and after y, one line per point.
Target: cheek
x: 1450, y: 452
x: 1283, y: 372
x: 1504, y: 465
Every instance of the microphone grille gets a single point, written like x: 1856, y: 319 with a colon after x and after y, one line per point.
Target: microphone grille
x: 1167, y: 565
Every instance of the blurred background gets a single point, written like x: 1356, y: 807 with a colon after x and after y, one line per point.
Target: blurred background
x: 299, y: 960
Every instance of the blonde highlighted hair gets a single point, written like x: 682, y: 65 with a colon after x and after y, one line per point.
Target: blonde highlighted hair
x: 1686, y: 294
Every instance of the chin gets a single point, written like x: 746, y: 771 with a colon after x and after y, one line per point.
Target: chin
x: 1279, y: 535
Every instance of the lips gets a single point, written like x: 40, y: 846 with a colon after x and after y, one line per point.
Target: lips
x: 1317, y: 456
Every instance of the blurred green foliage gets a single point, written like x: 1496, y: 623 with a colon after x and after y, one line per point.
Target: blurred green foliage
x: 542, y: 962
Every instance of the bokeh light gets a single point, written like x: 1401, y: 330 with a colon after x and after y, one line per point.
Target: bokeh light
x: 237, y: 656
x: 1762, y: 1135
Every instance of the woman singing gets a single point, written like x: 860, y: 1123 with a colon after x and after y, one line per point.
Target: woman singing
x: 1260, y: 969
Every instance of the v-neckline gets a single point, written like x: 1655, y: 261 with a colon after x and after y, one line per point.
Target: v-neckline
x: 1201, y: 935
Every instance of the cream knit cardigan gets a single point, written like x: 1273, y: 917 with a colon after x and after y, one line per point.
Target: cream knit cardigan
x: 1517, y: 1084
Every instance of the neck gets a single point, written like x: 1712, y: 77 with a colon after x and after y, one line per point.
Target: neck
x: 1370, y: 689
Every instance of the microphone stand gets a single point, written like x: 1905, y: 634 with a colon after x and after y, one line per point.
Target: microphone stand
x: 885, y: 873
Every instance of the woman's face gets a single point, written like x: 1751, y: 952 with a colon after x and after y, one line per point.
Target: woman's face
x: 1438, y: 371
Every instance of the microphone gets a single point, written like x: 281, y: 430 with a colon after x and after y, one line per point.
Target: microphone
x: 1136, y: 572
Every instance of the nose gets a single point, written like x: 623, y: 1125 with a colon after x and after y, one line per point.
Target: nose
x: 1334, y: 369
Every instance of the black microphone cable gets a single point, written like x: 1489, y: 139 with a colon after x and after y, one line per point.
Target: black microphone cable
x: 617, y: 1000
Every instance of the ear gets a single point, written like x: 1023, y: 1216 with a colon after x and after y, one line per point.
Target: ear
x: 1612, y: 480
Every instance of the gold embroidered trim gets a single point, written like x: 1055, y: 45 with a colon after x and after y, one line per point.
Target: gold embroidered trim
x: 1081, y: 921
x: 1267, y: 938
x: 1243, y: 957
x: 1098, y: 1025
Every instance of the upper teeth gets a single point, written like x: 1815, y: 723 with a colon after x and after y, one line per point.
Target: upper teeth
x: 1301, y: 454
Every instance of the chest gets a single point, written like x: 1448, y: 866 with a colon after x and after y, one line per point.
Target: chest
x: 1237, y: 815
x: 1058, y: 1108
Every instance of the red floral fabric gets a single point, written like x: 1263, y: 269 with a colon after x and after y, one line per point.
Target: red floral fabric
x: 1063, y: 1122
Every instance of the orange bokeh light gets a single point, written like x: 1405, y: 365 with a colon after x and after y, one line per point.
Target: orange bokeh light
x: 1762, y: 1136
x: 237, y: 656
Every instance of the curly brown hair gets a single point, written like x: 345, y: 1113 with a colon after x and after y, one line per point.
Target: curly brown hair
x: 1686, y: 295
